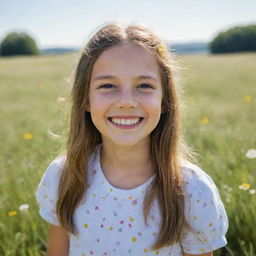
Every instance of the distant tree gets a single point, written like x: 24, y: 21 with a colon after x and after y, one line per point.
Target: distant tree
x: 18, y: 44
x: 237, y: 39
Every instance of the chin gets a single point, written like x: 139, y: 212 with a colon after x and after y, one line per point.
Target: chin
x: 126, y: 142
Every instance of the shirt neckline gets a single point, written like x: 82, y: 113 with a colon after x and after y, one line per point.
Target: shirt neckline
x: 112, y: 188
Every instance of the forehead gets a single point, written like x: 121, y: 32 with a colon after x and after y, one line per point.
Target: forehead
x: 126, y: 60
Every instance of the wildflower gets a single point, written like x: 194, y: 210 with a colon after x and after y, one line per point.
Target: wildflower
x: 227, y: 188
x: 252, y: 191
x: 228, y: 200
x: 27, y: 136
x: 12, y: 213
x: 247, y: 98
x: 205, y: 120
x: 251, y: 153
x: 244, y: 186
x: 24, y: 207
x: 224, y: 186
x: 161, y: 50
x: 61, y: 99
x: 41, y: 85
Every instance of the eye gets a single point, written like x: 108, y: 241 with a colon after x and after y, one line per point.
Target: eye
x: 144, y: 85
x: 106, y: 86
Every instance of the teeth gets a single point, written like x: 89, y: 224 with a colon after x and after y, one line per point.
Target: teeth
x: 125, y: 121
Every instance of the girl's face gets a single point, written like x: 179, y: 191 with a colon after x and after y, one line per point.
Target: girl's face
x: 125, y: 95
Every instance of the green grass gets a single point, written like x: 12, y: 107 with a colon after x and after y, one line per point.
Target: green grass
x: 215, y: 87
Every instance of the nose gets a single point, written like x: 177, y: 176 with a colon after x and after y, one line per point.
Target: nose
x: 127, y: 99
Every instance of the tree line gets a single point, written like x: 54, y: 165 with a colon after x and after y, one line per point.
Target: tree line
x: 236, y: 39
x: 18, y: 44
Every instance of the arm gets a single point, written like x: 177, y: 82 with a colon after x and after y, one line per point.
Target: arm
x: 58, y: 242
x: 204, y: 254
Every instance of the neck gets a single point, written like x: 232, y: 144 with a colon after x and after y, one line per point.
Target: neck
x: 127, y: 161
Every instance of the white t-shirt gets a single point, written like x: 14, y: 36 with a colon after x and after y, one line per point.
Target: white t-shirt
x: 110, y: 220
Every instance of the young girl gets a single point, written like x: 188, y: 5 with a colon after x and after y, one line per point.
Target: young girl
x: 125, y: 186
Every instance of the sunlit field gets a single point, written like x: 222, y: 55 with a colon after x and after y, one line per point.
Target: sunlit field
x: 219, y: 123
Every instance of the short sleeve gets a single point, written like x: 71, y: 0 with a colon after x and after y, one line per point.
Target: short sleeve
x: 47, y: 191
x: 204, y: 213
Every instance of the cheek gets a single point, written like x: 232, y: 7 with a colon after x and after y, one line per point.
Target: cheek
x: 98, y: 108
x: 96, y: 101
x: 155, y: 110
x: 153, y: 104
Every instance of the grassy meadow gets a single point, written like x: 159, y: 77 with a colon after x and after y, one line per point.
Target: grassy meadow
x: 219, y: 124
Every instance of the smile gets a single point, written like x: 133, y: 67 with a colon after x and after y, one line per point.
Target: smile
x: 125, y: 122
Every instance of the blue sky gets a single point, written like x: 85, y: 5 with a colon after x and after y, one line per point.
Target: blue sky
x: 68, y: 23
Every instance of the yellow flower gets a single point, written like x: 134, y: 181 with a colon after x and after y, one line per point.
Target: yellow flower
x: 27, y: 136
x: 244, y: 186
x: 161, y: 49
x: 205, y: 120
x: 247, y: 98
x: 41, y: 85
x: 12, y: 213
x: 85, y: 225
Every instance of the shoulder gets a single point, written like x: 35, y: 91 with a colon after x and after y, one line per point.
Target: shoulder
x: 201, y: 196
x: 55, y: 167
x: 58, y: 162
x: 47, y: 190
x: 196, y: 179
x: 52, y: 173
x: 204, y: 212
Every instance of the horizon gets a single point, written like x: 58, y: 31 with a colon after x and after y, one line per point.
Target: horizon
x: 77, y: 48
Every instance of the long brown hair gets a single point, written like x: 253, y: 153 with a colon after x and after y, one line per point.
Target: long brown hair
x: 167, y: 144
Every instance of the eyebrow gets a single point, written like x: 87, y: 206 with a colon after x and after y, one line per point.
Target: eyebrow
x: 102, y: 77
